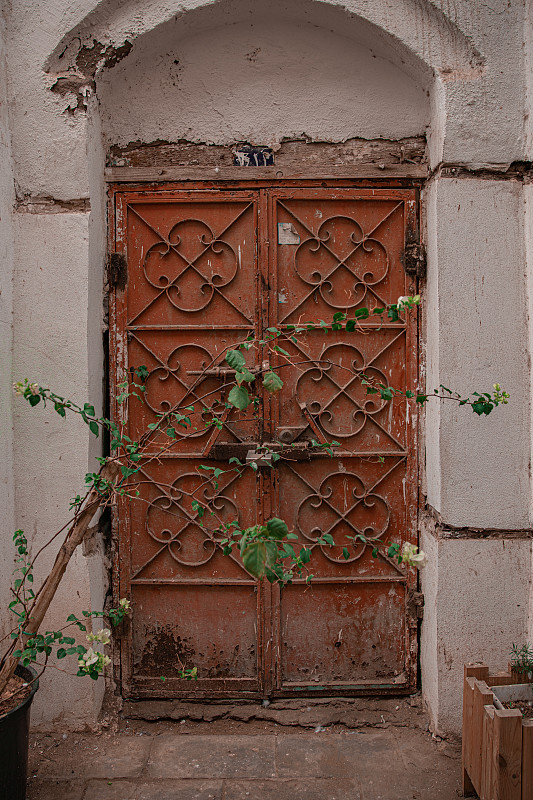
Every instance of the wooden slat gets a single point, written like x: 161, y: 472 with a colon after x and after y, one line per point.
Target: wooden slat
x: 482, y: 696
x: 502, y: 679
x: 507, y: 754
x: 151, y: 174
x: 488, y: 749
x: 527, y: 759
x: 478, y: 670
x: 468, y: 701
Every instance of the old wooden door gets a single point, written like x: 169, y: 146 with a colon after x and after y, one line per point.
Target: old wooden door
x: 205, y: 268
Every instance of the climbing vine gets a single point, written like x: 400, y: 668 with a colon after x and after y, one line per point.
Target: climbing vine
x: 267, y: 549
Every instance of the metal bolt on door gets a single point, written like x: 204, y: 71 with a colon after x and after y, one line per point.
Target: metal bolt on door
x: 206, y: 268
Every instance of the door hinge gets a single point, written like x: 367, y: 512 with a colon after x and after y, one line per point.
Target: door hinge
x: 414, y: 259
x: 415, y: 605
x: 117, y: 270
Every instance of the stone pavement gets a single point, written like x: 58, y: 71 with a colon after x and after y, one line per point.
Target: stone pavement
x: 166, y: 763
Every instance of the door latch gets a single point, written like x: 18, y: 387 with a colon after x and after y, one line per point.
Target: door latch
x: 261, y: 459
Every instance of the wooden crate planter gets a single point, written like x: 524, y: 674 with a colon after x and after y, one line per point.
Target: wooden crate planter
x: 497, y: 755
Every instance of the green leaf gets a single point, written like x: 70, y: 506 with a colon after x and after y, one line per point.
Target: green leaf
x: 127, y: 471
x: 93, y: 427
x: 305, y: 555
x: 235, y: 359
x: 254, y: 558
x: 327, y: 537
x: 33, y: 399
x: 239, y: 397
x: 421, y: 398
x: 346, y: 553
x: 277, y: 528
x: 289, y: 549
x: 272, y: 382
x: 61, y: 653
x: 392, y: 314
x: 351, y: 325
x: 280, y: 350
x: 272, y: 553
x: 245, y: 375
x: 89, y: 409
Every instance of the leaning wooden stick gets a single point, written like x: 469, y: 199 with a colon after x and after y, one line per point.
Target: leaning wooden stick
x: 110, y: 472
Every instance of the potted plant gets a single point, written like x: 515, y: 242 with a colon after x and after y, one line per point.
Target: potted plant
x: 265, y: 548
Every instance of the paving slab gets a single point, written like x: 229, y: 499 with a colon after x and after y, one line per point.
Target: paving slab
x: 175, y: 756
x: 330, y: 755
x: 310, y: 789
x: 364, y: 764
x: 117, y: 757
x: 49, y: 789
x: 160, y: 790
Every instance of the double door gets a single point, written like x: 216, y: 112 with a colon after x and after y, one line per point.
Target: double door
x: 205, y: 269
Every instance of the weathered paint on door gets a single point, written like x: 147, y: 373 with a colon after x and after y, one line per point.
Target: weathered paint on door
x: 205, y: 269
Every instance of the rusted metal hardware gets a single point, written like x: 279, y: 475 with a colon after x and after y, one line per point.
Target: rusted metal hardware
x: 415, y: 259
x: 259, y: 458
x: 224, y: 451
x: 206, y: 270
x: 415, y: 605
x: 117, y: 271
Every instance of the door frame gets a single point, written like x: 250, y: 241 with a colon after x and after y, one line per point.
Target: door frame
x: 414, y: 229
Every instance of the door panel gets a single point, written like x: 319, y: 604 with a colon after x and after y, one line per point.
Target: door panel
x: 205, y: 269
x: 349, y: 627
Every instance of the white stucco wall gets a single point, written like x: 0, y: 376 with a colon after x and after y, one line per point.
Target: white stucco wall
x: 262, y: 81
x: 51, y: 453
x: 329, y: 70
x: 477, y: 598
x: 7, y: 196
x: 477, y: 468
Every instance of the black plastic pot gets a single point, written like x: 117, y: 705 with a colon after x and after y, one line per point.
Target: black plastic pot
x: 14, y: 730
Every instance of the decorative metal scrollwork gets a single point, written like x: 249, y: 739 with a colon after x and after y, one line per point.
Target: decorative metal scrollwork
x: 341, y: 244
x: 191, y: 265
x: 190, y: 389
x: 342, y: 507
x: 175, y: 526
x: 340, y: 405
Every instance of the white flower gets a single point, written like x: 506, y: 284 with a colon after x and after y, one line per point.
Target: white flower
x: 408, y: 300
x: 103, y: 636
x: 412, y: 556
x: 88, y: 658
x: 92, y: 661
x: 18, y: 388
x: 34, y: 388
x: 125, y: 604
